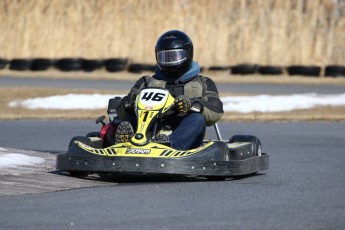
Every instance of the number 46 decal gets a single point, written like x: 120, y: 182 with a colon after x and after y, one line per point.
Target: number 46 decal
x: 147, y: 96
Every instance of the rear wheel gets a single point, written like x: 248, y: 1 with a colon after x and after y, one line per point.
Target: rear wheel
x: 215, y: 178
x: 93, y: 134
x: 94, y: 142
x: 78, y: 173
x: 255, y: 146
x: 255, y: 143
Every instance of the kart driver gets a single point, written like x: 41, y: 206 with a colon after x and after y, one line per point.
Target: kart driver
x: 197, y: 101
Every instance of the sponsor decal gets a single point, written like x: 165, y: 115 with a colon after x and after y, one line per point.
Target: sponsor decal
x: 169, y: 37
x: 148, y: 107
x: 138, y: 151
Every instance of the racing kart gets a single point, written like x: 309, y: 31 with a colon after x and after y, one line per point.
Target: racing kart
x: 217, y: 159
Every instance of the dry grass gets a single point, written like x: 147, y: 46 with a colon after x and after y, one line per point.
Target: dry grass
x: 269, y: 32
x: 8, y: 94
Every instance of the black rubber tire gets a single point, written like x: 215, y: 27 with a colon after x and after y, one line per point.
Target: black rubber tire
x: 3, y: 63
x: 216, y: 178
x: 93, y: 134
x: 335, y: 71
x: 82, y: 139
x: 270, y: 70
x: 139, y: 68
x: 244, y: 69
x: 115, y: 64
x: 41, y: 64
x: 86, y: 141
x: 20, y: 64
x: 90, y: 65
x: 219, y: 68
x: 69, y: 64
x: 311, y: 71
x: 78, y: 173
x: 149, y: 67
x: 256, y: 143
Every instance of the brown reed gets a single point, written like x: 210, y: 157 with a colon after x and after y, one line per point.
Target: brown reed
x: 224, y: 32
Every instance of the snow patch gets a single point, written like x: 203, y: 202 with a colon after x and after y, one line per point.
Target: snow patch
x: 242, y: 104
x: 10, y: 160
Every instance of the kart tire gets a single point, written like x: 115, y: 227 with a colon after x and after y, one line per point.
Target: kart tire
x: 93, y: 134
x: 86, y: 141
x: 256, y: 143
x: 82, y: 139
x: 106, y: 176
x: 215, y: 178
x: 78, y: 174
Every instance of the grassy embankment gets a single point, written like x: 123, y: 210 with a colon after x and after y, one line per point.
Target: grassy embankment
x: 270, y: 32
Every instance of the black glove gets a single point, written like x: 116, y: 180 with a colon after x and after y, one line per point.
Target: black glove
x: 186, y: 104
x: 129, y: 100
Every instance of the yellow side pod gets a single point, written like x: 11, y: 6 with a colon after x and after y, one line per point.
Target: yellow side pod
x: 153, y: 150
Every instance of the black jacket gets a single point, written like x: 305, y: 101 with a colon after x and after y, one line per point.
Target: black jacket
x: 200, y: 87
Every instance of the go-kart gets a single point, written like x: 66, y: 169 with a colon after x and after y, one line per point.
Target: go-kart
x: 142, y: 155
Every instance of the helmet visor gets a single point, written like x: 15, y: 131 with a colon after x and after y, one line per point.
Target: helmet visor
x: 171, y: 57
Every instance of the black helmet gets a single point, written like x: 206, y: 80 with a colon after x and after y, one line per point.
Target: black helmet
x: 174, y: 53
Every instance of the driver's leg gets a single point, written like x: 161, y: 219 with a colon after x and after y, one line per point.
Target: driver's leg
x: 190, y: 132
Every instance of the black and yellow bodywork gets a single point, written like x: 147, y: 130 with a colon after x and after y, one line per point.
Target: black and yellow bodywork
x: 141, y: 155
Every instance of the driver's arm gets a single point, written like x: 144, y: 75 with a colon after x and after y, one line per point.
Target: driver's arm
x: 126, y: 107
x: 211, y: 103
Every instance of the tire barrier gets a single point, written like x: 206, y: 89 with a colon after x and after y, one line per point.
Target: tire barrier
x: 90, y: 65
x: 139, y: 68
x: 311, y: 71
x: 335, y: 71
x: 115, y: 64
x: 3, y: 63
x: 244, y: 69
x: 41, y: 64
x: 270, y: 70
x: 122, y: 64
x: 69, y: 64
x: 20, y: 64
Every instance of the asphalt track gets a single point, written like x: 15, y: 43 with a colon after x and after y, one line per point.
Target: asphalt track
x: 303, y: 189
x: 274, y: 89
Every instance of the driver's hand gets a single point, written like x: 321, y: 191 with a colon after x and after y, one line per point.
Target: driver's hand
x: 129, y: 100
x: 183, y: 103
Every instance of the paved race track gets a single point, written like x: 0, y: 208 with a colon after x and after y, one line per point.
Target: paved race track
x: 126, y: 85
x: 303, y: 189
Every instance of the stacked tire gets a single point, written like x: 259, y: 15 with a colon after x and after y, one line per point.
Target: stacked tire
x: 115, y: 64
x: 335, y: 71
x: 310, y: 71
